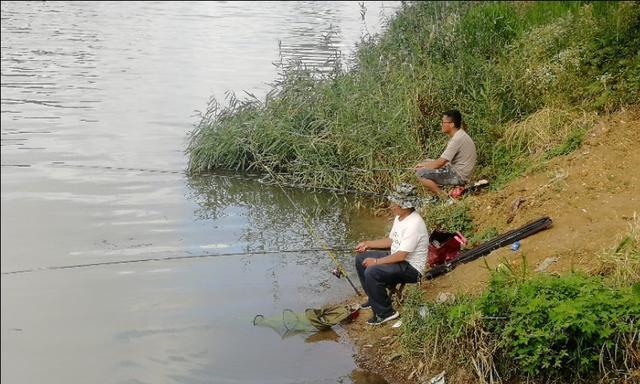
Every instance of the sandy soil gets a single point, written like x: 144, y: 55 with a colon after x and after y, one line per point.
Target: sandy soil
x: 591, y: 196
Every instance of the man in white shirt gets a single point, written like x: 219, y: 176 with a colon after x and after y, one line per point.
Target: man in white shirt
x: 408, y: 242
x: 455, y: 165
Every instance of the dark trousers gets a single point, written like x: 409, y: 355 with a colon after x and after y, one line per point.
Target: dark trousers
x: 377, y: 278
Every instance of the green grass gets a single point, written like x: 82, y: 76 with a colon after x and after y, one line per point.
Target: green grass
x: 540, y: 328
x: 535, y: 328
x: 621, y: 264
x: 499, y: 63
x: 450, y: 218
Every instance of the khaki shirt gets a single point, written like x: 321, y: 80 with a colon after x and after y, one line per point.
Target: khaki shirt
x: 461, y: 154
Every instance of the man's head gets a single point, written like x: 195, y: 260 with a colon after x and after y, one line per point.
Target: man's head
x: 404, y: 198
x: 451, y: 121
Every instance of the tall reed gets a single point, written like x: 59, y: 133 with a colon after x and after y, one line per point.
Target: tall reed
x: 499, y: 63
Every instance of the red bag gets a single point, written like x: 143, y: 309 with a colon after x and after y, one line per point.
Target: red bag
x: 444, y: 247
x: 457, y: 192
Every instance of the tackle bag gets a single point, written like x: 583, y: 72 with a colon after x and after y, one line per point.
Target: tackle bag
x: 444, y: 247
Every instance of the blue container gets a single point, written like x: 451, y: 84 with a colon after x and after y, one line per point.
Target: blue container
x: 515, y: 246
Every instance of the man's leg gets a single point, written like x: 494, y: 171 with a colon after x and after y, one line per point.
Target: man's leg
x: 433, y: 178
x: 360, y: 268
x: 379, y: 277
x: 431, y: 186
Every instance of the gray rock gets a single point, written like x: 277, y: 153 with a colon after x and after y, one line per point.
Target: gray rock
x: 542, y: 267
x: 445, y: 297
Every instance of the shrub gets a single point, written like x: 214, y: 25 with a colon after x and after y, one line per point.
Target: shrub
x: 572, y: 328
x: 563, y: 327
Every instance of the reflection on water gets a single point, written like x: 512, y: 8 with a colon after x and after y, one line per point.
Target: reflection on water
x: 94, y: 93
x: 359, y: 376
x: 274, y: 222
x: 278, y: 219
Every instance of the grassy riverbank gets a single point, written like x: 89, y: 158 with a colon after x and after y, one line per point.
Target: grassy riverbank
x: 528, y: 77
x: 538, y: 327
x: 575, y: 322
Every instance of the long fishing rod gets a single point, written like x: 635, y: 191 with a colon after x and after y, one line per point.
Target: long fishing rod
x: 169, y: 258
x: 366, y: 170
x: 247, y: 176
x: 312, y: 231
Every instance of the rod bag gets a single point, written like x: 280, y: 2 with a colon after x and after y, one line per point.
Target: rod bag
x: 490, y: 246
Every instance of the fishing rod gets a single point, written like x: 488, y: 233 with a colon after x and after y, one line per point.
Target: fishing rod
x: 248, y: 176
x: 364, y: 170
x: 170, y: 258
x: 340, y: 269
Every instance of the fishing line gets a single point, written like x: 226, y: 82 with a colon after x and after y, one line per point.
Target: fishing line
x: 169, y: 258
x: 311, y: 230
x: 248, y: 176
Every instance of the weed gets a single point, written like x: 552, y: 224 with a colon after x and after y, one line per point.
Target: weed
x: 450, y: 218
x: 481, y: 237
x: 621, y: 264
x: 544, y: 328
x: 524, y: 75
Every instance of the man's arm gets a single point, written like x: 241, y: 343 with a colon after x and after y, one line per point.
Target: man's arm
x: 453, y: 146
x: 374, y: 244
x: 433, y: 164
x: 391, y: 259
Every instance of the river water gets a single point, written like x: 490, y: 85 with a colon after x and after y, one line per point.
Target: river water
x: 97, y: 102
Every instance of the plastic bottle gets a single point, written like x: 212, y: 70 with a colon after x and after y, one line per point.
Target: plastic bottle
x: 515, y: 246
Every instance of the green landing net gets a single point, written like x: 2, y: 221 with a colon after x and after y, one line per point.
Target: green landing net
x: 311, y: 320
x: 288, y: 323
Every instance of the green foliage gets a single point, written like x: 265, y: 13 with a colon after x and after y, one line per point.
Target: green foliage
x: 423, y: 320
x: 479, y: 238
x: 497, y: 62
x: 551, y: 328
x: 558, y: 327
x: 571, y: 143
x: 451, y: 218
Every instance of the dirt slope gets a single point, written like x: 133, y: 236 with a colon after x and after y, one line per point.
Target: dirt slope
x: 591, y: 196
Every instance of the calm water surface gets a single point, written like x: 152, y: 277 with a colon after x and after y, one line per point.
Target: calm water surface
x: 97, y: 101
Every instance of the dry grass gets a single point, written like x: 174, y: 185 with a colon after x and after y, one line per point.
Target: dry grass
x: 547, y: 129
x: 621, y: 264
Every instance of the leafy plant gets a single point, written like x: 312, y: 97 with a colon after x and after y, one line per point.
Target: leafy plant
x: 451, y: 218
x: 570, y: 328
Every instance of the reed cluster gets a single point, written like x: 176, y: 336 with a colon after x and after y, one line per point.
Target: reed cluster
x: 527, y: 76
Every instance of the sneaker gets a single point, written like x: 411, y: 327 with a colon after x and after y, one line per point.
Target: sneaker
x: 377, y: 320
x: 365, y: 305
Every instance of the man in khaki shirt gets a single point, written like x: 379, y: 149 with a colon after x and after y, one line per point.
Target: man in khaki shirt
x: 455, y: 165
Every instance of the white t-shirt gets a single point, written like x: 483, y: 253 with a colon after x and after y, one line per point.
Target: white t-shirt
x: 410, y: 235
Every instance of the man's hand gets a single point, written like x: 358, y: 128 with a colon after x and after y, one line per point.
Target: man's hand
x: 362, y: 247
x: 369, y: 261
x: 420, y: 165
